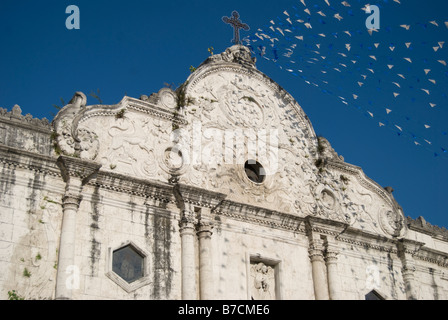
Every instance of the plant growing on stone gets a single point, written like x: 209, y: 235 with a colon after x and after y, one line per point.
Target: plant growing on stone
x: 96, y: 95
x: 54, y: 135
x: 58, y: 107
x: 57, y: 149
x: 320, y: 147
x: 12, y: 295
x: 182, y: 99
x: 26, y: 273
x: 120, y: 114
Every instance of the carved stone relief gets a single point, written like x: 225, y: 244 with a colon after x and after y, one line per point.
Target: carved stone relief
x: 392, y: 222
x: 70, y: 139
x: 229, y: 101
x: 129, y: 144
x: 167, y: 98
x: 262, y: 281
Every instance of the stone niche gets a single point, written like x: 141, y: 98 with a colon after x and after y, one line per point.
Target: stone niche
x: 264, y: 279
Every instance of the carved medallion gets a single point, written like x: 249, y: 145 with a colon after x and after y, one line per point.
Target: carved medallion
x: 167, y: 98
x: 392, y: 223
x: 328, y: 199
x: 173, y: 160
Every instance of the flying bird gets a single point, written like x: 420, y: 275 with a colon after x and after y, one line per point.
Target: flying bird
x: 338, y: 16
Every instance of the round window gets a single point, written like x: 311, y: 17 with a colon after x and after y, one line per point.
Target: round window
x: 255, y: 171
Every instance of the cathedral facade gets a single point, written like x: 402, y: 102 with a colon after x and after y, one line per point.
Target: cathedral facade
x: 217, y: 190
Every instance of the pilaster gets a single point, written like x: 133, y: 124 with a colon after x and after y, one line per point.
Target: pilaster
x: 316, y: 254
x: 331, y: 259
x: 406, y: 250
x: 204, y: 233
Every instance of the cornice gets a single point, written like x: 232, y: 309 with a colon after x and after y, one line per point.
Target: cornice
x: 261, y: 216
x: 422, y: 226
x: 29, y: 160
x: 133, y: 104
x: 15, y: 118
x: 200, y: 197
x: 433, y: 256
x: 76, y: 167
x: 363, y: 179
x: 155, y: 190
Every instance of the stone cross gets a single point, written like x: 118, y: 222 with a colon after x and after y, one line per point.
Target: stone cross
x: 236, y: 23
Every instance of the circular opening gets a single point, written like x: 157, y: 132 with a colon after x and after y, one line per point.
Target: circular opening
x: 255, y: 171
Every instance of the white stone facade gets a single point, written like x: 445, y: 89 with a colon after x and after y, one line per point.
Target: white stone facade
x: 154, y: 198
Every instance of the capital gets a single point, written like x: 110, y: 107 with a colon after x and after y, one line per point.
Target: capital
x: 331, y: 252
x: 331, y: 257
x: 186, y: 222
x: 316, y: 252
x: 204, y: 229
x: 408, y: 270
x: 71, y: 201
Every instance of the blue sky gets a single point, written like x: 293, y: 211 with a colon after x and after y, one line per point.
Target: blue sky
x: 135, y: 47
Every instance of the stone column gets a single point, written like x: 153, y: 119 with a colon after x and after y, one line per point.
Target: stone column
x: 204, y: 233
x: 331, y: 258
x: 187, y: 234
x: 318, y: 270
x: 76, y: 173
x: 66, y: 280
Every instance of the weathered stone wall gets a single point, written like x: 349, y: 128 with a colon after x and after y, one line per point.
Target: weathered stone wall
x: 30, y: 220
x: 236, y: 243
x: 110, y: 216
x: 106, y: 221
x: 25, y: 132
x: 363, y: 269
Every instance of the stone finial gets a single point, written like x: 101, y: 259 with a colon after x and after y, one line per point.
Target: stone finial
x: 389, y: 189
x: 79, y: 100
x: 236, y: 54
x: 16, y: 111
x: 422, y: 221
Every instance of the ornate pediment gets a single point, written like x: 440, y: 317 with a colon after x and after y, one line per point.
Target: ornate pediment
x: 229, y: 129
x: 132, y: 137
